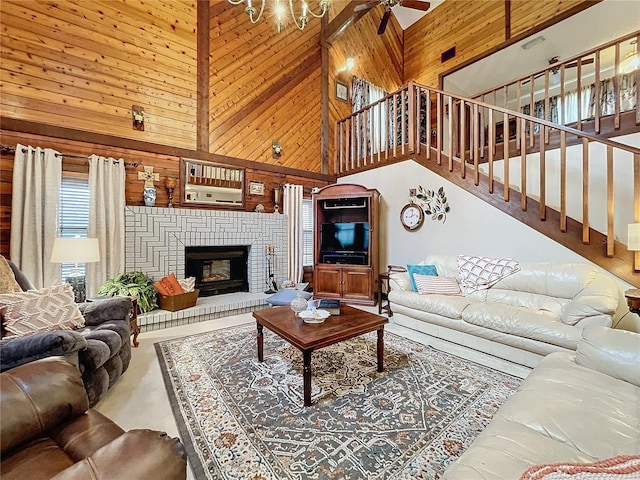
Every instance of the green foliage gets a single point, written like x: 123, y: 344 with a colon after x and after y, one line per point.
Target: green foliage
x: 135, y: 284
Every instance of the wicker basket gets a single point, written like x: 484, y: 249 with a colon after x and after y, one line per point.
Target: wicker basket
x: 178, y: 302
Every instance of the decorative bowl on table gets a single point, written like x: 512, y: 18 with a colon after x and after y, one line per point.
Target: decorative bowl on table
x: 314, y: 316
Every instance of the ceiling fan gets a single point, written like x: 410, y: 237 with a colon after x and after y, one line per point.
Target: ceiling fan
x: 388, y: 4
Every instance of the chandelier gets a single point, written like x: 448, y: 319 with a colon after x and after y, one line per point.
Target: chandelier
x: 279, y: 10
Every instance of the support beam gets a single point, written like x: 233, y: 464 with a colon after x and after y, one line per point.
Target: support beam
x: 202, y: 112
x: 324, y: 97
x: 343, y: 21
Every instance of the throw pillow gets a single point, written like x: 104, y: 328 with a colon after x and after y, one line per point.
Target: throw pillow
x: 36, y: 311
x: 188, y: 284
x: 284, y: 297
x: 8, y: 282
x: 623, y: 466
x: 421, y: 270
x: 169, y: 285
x: 477, y: 273
x: 429, y: 284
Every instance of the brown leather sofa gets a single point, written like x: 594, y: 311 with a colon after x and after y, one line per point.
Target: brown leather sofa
x: 48, y: 432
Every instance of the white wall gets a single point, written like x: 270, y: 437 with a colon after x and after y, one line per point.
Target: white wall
x: 472, y: 227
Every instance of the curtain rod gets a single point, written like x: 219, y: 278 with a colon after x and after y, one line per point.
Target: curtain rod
x: 4, y: 148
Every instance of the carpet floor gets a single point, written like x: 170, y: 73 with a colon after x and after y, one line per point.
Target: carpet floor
x: 243, y: 419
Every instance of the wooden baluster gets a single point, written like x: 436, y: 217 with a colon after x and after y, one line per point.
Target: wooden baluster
x: 387, y: 134
x: 477, y: 128
x: 357, y: 122
x: 411, y: 120
x: 394, y: 119
x: 439, y: 101
x: 428, y: 132
x: 562, y: 97
x: 563, y: 181
x: 636, y: 197
x: 506, y: 156
x: 519, y: 110
x: 404, y: 121
x: 543, y: 175
x: 451, y: 114
x: 523, y: 169
x: 585, y: 191
x: 610, y: 202
x: 579, y: 88
x: 492, y: 146
x: 379, y: 131
x: 596, y: 113
x: 463, y: 137
x: 352, y: 142
x: 366, y: 136
x: 418, y: 119
x: 547, y: 113
x: 616, y: 89
x: 532, y: 105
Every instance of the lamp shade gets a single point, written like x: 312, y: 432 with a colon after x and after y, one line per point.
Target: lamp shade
x: 75, y: 250
x: 634, y: 237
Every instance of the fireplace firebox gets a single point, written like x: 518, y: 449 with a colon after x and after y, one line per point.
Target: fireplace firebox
x: 218, y: 269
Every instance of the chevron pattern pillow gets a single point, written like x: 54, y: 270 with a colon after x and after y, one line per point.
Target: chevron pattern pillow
x: 36, y: 311
x: 477, y: 273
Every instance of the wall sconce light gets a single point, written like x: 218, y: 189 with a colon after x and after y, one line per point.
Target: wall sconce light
x: 633, y: 244
x: 276, y: 199
x: 138, y: 117
x: 276, y: 149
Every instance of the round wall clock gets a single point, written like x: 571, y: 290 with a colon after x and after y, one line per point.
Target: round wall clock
x: 411, y: 216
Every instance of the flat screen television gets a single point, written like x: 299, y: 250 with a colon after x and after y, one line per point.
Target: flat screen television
x: 345, y: 237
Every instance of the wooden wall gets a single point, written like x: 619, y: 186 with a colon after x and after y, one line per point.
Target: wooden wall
x: 164, y: 164
x: 265, y: 86
x: 84, y: 64
x: 476, y: 29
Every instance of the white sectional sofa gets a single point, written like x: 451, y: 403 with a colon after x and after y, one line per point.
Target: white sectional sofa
x: 578, y: 407
x: 538, y: 310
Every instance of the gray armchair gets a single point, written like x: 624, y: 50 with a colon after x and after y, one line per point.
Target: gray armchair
x: 101, y: 350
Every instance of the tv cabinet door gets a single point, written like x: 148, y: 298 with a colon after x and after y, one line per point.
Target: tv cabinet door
x: 327, y: 281
x: 357, y: 283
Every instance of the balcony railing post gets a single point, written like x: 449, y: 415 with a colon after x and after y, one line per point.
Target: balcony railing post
x: 411, y: 93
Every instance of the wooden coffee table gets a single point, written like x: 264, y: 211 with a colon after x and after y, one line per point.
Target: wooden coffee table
x: 308, y: 337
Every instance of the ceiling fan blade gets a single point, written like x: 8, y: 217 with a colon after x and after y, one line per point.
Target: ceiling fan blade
x: 366, y: 6
x: 384, y: 21
x: 416, y: 5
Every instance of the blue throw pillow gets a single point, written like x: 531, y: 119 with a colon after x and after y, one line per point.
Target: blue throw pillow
x: 420, y: 270
x: 284, y: 297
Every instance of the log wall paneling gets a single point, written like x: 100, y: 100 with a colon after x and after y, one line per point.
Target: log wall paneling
x: 67, y: 62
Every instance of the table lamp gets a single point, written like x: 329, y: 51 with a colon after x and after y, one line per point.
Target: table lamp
x: 76, y: 250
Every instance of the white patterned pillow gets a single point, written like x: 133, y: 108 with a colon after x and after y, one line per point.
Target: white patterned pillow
x: 188, y: 284
x: 431, y: 284
x: 477, y: 273
x: 36, y: 311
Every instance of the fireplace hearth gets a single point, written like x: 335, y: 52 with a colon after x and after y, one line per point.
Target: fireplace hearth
x: 218, y: 269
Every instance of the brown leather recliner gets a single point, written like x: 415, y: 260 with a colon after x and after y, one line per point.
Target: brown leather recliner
x: 48, y: 432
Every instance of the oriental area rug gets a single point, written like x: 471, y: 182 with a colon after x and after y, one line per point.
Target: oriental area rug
x: 243, y: 419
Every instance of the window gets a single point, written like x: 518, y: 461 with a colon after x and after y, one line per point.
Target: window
x: 73, y: 214
x: 307, y: 232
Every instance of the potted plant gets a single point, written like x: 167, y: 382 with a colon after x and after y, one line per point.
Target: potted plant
x: 134, y: 284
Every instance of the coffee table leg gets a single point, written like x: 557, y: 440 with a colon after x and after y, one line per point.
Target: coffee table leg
x: 259, y: 338
x: 306, y: 377
x: 381, y: 349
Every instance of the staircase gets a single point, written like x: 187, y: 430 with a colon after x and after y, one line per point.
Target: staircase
x: 466, y: 141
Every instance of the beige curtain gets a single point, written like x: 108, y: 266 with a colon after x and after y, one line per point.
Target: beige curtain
x: 292, y: 201
x: 106, y: 219
x: 37, y: 175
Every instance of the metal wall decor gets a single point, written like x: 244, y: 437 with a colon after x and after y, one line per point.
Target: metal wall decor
x: 433, y: 203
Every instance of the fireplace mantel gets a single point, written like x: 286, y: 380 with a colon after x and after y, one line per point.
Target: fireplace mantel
x: 156, y: 239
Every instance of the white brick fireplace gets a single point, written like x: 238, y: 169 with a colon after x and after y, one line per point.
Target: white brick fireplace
x: 156, y: 239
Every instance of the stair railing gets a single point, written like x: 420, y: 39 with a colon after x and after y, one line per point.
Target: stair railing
x: 470, y: 136
x: 535, y: 88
